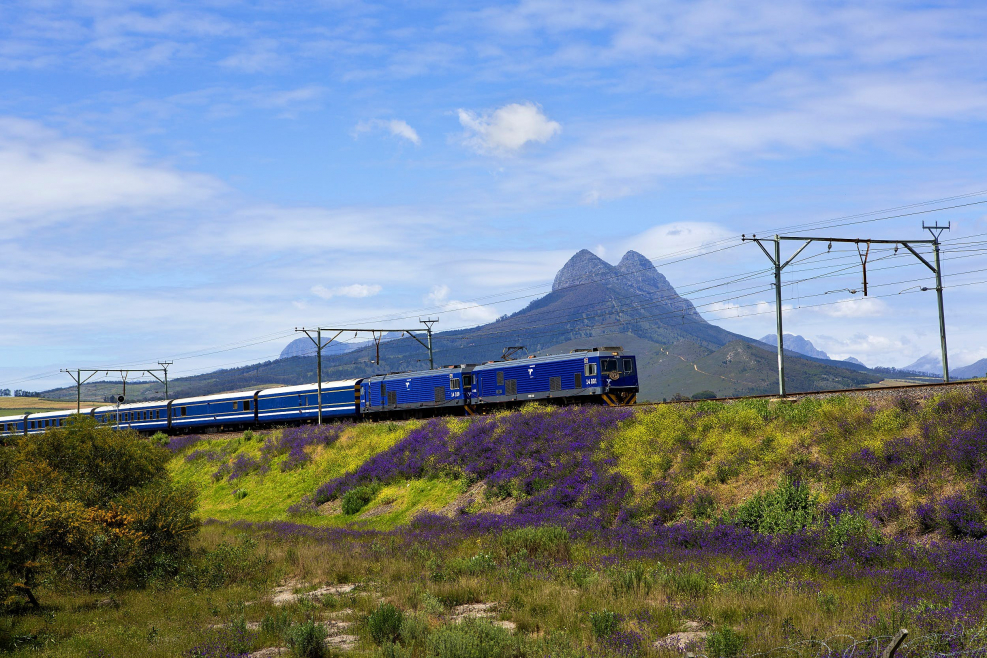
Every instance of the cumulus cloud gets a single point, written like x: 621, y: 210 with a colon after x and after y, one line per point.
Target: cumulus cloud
x: 508, y: 128
x: 396, y: 127
x: 356, y: 290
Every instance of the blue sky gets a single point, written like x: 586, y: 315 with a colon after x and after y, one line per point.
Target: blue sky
x: 178, y: 179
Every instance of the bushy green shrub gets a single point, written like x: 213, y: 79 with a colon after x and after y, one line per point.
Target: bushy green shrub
x: 384, y: 623
x: 604, y: 623
x: 850, y: 528
x: 724, y: 642
x: 276, y: 624
x: 307, y: 640
x: 478, y: 564
x: 98, y: 504
x: 789, y: 508
x: 538, y: 542
x: 473, y: 638
x: 357, y: 498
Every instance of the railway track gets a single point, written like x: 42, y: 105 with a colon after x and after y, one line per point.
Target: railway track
x: 839, y: 391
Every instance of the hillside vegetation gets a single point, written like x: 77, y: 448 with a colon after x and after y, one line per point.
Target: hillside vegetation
x: 897, y: 464
x: 726, y: 530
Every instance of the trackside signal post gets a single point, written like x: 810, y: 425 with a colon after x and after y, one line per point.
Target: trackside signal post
x: 377, y: 335
x: 775, y: 259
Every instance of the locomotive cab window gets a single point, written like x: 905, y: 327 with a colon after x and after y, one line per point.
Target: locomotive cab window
x: 608, y: 365
x: 468, y: 381
x: 590, y: 370
x: 628, y: 365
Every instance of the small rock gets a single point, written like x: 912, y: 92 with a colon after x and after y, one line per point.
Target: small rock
x: 342, y: 641
x: 285, y: 594
x: 508, y: 625
x: 461, y: 612
x: 691, y: 626
x: 681, y: 641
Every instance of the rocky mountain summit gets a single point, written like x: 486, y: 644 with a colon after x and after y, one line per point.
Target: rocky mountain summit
x: 798, y: 344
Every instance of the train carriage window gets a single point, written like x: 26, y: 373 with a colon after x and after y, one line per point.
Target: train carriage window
x: 157, y: 414
x: 555, y: 383
x: 236, y: 405
x: 453, y: 383
x: 246, y: 405
x: 628, y: 365
x: 184, y: 411
x: 500, y: 378
x: 590, y: 370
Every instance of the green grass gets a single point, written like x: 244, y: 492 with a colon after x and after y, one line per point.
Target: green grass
x: 269, y: 496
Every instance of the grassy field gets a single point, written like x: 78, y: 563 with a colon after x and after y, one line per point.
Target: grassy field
x: 724, y: 529
x: 14, y: 406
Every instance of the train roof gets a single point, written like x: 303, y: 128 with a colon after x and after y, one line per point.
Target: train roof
x: 11, y: 419
x: 307, y: 387
x: 127, y: 406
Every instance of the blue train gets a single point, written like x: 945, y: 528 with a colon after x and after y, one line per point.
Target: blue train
x: 598, y: 375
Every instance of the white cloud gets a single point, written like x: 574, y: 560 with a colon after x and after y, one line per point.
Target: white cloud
x: 468, y: 312
x: 396, y: 127
x: 667, y: 239
x: 508, y: 128
x: 855, y: 307
x: 356, y: 290
x: 47, y: 177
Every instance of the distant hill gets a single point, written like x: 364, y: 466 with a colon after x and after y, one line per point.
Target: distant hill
x: 977, y: 369
x: 305, y: 347
x: 592, y: 303
x: 930, y: 364
x: 858, y: 362
x: 796, y: 344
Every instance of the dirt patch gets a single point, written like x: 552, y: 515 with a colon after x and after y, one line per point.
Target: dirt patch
x: 474, y: 501
x: 331, y: 508
x: 270, y: 652
x: 286, y: 594
x: 380, y: 510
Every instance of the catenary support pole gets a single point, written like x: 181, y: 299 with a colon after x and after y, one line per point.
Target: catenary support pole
x: 781, y: 337
x: 942, y: 315
x: 318, y: 356
x: 428, y: 328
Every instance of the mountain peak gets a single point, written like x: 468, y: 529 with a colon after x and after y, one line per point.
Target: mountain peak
x: 583, y: 267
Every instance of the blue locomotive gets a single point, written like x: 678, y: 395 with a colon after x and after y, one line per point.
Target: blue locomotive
x: 597, y: 375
